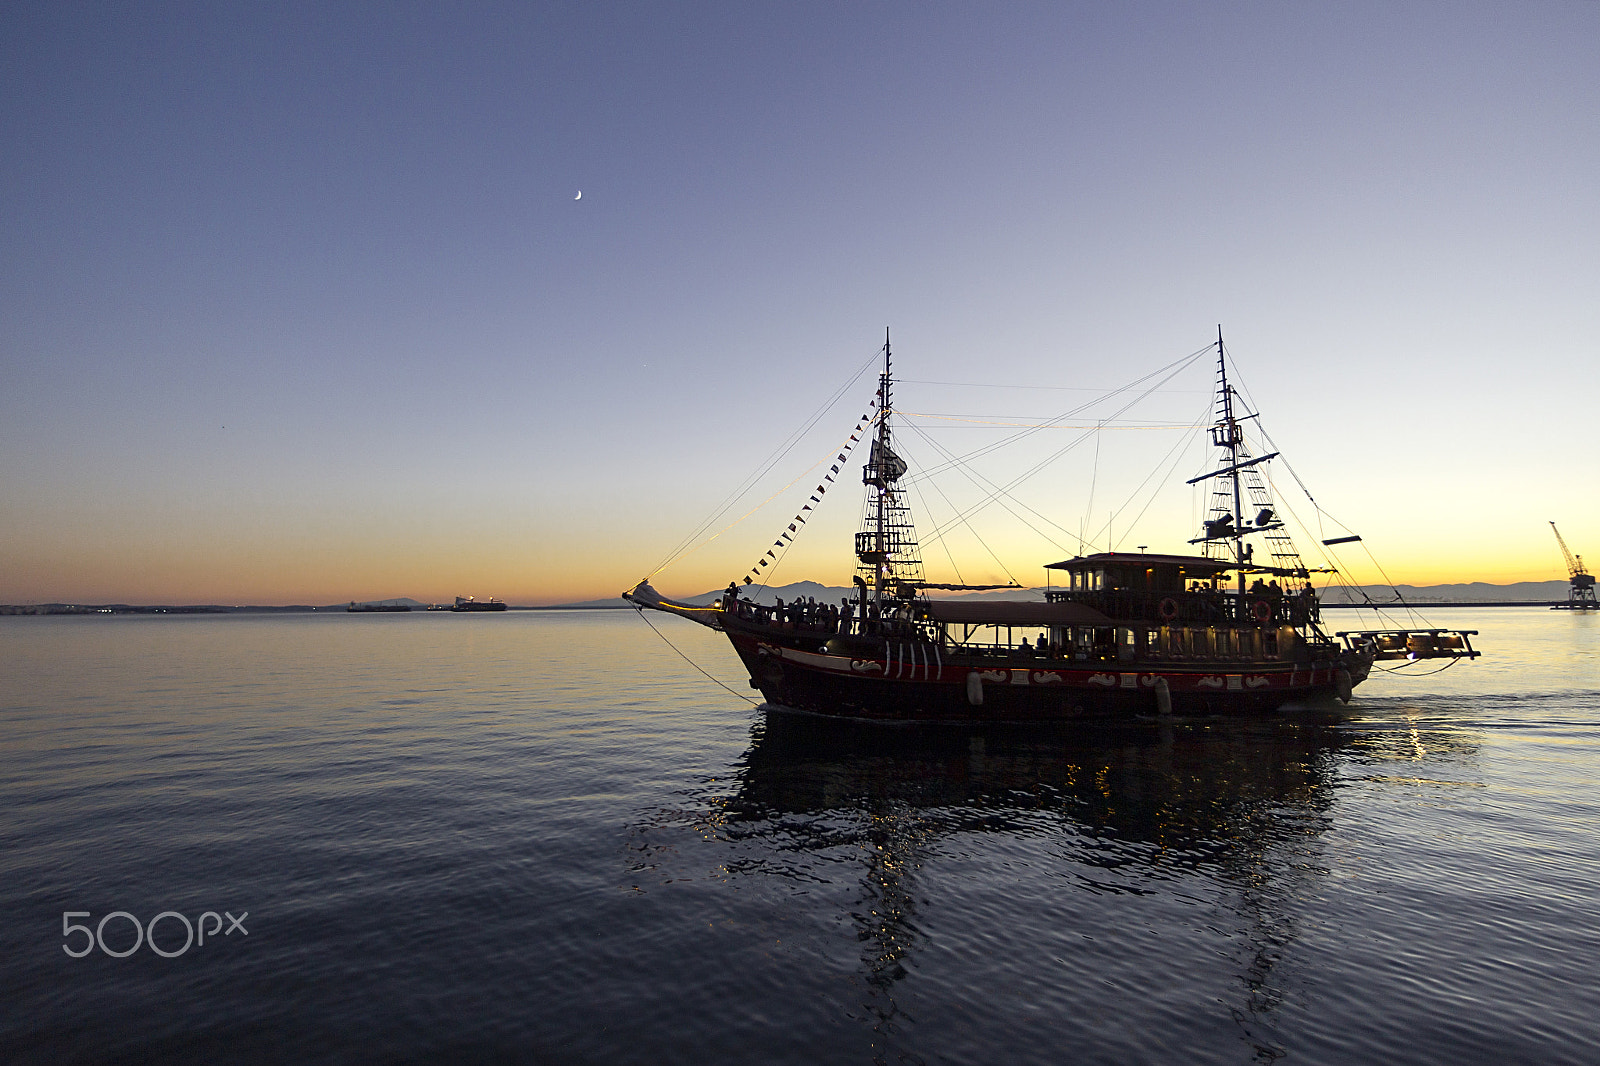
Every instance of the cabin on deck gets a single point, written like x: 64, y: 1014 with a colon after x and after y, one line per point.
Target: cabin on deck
x: 1182, y: 589
x: 1174, y: 607
x: 1071, y: 630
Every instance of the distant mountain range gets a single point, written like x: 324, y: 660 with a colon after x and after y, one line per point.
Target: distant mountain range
x: 1473, y: 592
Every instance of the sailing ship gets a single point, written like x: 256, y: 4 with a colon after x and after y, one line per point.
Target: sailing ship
x: 1217, y: 632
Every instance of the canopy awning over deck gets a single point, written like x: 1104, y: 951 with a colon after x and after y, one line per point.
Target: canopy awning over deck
x: 1016, y: 613
x: 1194, y: 564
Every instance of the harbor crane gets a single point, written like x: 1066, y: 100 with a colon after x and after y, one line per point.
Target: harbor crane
x: 1580, y: 594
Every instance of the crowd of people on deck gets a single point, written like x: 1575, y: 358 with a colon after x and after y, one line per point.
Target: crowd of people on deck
x: 807, y: 615
x: 1264, y: 604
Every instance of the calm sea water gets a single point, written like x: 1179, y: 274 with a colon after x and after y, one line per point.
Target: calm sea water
x: 545, y: 837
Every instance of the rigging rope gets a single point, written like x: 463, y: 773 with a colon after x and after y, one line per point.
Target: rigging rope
x: 688, y: 660
x: 985, y: 485
x: 1052, y: 423
x: 1171, y: 370
x: 1028, y: 388
x: 955, y: 568
x: 944, y: 541
x: 1329, y: 554
x: 1094, y: 484
x: 1165, y: 374
x: 779, y: 547
x: 1176, y: 454
x: 683, y: 547
x: 1401, y: 668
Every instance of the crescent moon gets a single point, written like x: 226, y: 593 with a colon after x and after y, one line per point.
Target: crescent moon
x: 579, y: 196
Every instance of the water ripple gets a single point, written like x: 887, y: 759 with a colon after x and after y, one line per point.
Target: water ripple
x: 543, y: 837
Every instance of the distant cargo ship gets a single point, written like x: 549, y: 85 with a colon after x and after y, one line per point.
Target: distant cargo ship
x: 467, y: 603
x: 374, y: 608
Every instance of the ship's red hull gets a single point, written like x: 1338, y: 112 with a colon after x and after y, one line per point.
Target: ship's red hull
x: 916, y: 681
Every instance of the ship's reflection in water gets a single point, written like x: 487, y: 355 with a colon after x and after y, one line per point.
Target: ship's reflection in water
x: 1222, y: 816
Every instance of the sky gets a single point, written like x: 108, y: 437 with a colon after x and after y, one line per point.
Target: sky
x: 299, y: 303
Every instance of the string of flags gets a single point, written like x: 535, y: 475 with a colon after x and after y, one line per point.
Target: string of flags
x: 784, y: 538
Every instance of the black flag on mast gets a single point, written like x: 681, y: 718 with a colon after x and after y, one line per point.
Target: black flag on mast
x: 883, y: 465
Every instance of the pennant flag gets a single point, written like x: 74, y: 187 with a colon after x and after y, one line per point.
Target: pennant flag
x: 888, y: 464
x: 747, y: 579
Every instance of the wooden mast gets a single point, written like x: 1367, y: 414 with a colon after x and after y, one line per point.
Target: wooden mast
x: 883, y: 488
x: 1231, y: 442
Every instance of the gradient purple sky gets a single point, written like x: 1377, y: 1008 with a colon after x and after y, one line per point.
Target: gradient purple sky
x: 297, y: 304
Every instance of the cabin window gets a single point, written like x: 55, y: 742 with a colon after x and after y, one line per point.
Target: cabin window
x: 1269, y: 643
x: 1204, y: 644
x: 1127, y: 643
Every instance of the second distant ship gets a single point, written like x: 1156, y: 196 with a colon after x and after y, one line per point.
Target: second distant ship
x: 467, y: 603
